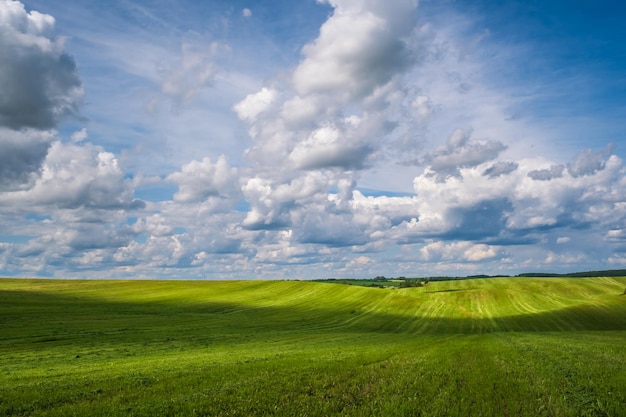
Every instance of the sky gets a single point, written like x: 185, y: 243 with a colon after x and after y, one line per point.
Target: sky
x: 310, y: 139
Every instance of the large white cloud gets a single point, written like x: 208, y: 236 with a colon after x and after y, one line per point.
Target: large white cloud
x: 273, y: 204
x: 39, y: 87
x: 457, y: 252
x: 519, y: 201
x: 21, y: 155
x: 202, y: 180
x: 254, y: 104
x: 335, y: 111
x: 38, y: 79
x: 333, y: 146
x: 360, y: 47
x: 462, y: 151
x: 74, y: 176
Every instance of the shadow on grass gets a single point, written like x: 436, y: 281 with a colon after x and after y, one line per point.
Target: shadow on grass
x: 38, y: 317
x: 451, y: 290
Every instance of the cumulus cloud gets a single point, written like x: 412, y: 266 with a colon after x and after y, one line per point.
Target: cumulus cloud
x: 329, y: 228
x: 79, y: 136
x: 254, y: 104
x: 555, y: 171
x: 330, y: 146
x: 95, y: 236
x: 461, y: 151
x: 201, y: 180
x: 153, y: 225
x: 500, y: 168
x: 179, y: 236
x: 273, y: 204
x: 361, y: 46
x: 588, y: 162
x: 75, y: 176
x: 512, y: 207
x: 478, y: 221
x: 21, y: 156
x: 316, y: 215
x: 359, y: 262
x: 281, y: 250
x: 39, y: 81
x: 458, y: 252
x: 70, y: 240
x: 156, y: 252
x: 378, y: 215
x: 334, y: 112
x: 40, y: 87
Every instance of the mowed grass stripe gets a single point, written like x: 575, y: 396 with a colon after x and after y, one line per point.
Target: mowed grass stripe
x: 477, y: 305
x: 490, y: 347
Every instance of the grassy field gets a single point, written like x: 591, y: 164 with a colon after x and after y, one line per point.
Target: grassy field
x: 481, y: 347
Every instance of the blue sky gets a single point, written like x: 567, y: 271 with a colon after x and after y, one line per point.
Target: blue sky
x: 311, y: 139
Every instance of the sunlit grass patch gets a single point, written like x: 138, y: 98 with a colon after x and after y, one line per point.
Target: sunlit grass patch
x: 491, y: 347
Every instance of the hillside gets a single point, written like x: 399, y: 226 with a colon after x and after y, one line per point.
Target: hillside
x: 245, y: 347
x: 466, y: 306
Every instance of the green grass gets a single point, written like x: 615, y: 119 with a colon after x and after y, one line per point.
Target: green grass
x: 481, y: 347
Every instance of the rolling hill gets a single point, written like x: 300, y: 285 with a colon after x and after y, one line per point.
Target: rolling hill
x: 498, y: 346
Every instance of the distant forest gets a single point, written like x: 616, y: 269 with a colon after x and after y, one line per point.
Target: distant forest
x: 382, y: 281
x: 605, y: 273
x: 585, y: 274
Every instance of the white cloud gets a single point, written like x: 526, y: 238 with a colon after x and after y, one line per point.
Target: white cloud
x: 273, y: 205
x: 21, y: 155
x: 588, y: 162
x: 359, y: 262
x: 500, y: 168
x: 40, y: 83
x: 360, y: 47
x: 79, y: 136
x: 330, y: 147
x: 618, y: 260
x: 461, y: 151
x: 458, y: 252
x: 202, y: 180
x: 515, y: 202
x: 335, y: 111
x: 383, y: 212
x: 323, y: 226
x: 254, y: 104
x: 552, y: 258
x: 555, y: 171
x: 246, y: 12
x: 75, y: 176
x: 153, y: 225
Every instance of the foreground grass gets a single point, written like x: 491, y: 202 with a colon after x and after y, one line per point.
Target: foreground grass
x: 494, y: 347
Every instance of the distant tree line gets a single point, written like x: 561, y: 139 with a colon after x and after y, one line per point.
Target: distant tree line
x: 587, y: 274
x: 381, y: 281
x: 410, y: 283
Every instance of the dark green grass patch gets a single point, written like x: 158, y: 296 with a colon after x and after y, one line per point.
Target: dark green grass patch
x: 517, y: 347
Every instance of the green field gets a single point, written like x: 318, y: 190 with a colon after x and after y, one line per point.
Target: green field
x: 481, y: 347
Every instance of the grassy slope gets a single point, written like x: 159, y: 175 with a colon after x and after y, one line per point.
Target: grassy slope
x: 474, y: 347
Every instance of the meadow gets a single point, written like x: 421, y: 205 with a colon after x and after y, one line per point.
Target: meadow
x: 479, y: 347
